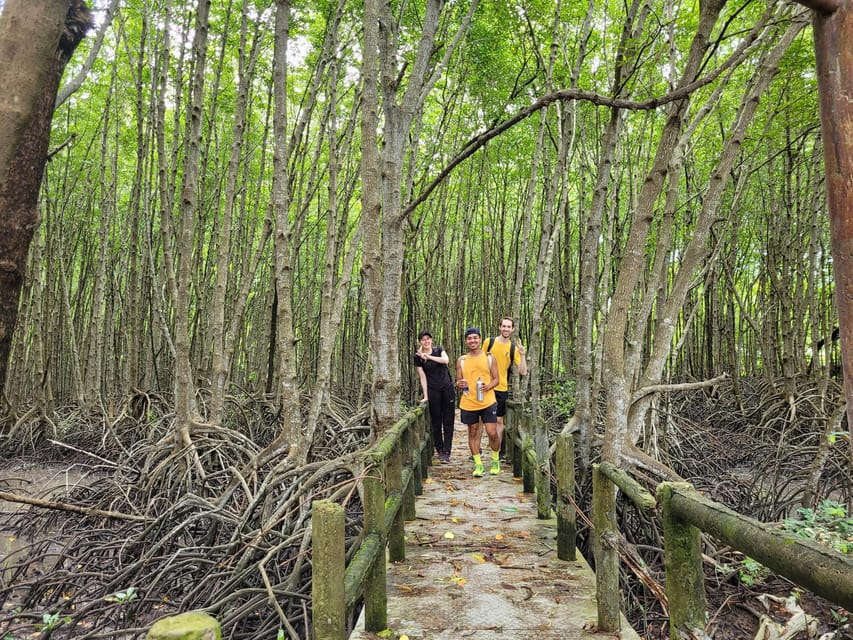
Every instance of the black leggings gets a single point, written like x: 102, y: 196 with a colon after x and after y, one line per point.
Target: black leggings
x: 442, y: 412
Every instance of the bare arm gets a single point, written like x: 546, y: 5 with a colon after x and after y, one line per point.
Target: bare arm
x: 493, y: 372
x: 422, y: 376
x: 460, y: 381
x: 522, y: 359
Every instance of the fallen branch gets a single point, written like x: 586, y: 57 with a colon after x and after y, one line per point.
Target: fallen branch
x: 86, y: 511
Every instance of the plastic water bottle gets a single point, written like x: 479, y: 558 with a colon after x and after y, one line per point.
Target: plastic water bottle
x: 481, y: 393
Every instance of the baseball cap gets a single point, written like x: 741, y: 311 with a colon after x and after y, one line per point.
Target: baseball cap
x: 424, y: 333
x: 472, y: 331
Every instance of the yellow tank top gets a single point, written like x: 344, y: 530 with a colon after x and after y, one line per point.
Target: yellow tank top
x: 474, y: 367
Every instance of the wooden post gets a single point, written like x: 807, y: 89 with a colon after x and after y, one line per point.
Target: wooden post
x: 605, y: 549
x: 394, y: 485
x: 528, y: 466
x: 517, y: 458
x: 543, y: 488
x: 328, y: 561
x: 426, y: 443
x: 375, y: 588
x: 415, y: 455
x: 543, y: 467
x: 685, y: 581
x: 407, y: 462
x: 566, y: 516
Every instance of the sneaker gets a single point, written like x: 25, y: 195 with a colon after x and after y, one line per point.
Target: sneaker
x: 478, y: 471
x: 447, y: 457
x: 495, y: 468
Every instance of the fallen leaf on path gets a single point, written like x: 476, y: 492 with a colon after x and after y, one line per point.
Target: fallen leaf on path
x: 499, y: 536
x: 478, y: 557
x: 523, y: 534
x: 449, y: 535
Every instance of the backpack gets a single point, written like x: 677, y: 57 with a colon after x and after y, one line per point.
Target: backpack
x: 511, y: 353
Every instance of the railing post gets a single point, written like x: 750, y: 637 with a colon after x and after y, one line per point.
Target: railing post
x: 375, y: 588
x: 685, y: 580
x: 328, y: 561
x: 407, y: 462
x: 426, y: 440
x: 528, y: 466
x: 394, y: 485
x: 605, y: 549
x: 517, y: 440
x: 414, y: 455
x: 543, y: 467
x: 566, y: 516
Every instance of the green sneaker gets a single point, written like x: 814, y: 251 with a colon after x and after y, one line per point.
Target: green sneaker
x: 478, y: 471
x: 495, y: 468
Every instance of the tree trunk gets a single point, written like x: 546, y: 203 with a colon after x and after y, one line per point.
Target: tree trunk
x: 37, y: 39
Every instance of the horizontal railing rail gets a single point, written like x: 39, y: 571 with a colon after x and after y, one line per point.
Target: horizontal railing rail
x: 686, y: 513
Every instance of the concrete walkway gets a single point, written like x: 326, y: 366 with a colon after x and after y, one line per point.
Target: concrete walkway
x: 479, y: 564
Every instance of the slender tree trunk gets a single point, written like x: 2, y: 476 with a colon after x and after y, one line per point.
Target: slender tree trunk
x: 616, y: 375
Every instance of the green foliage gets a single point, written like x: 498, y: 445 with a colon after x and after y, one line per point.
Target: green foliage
x: 829, y: 525
x: 122, y: 597
x: 751, y: 571
x: 561, y: 400
x: 51, y: 621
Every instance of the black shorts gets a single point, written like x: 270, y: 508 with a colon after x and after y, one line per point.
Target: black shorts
x: 501, y: 397
x: 488, y: 415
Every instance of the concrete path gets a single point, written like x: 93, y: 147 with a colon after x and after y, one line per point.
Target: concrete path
x: 479, y: 564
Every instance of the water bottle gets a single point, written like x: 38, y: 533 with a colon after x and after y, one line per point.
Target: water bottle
x: 481, y: 393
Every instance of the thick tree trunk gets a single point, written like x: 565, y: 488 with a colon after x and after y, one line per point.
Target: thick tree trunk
x: 37, y: 38
x: 833, y: 33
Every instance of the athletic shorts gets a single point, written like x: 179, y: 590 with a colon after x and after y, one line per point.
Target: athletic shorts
x: 488, y: 415
x: 501, y: 397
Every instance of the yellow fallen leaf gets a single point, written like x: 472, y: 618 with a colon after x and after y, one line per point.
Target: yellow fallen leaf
x: 404, y: 637
x: 455, y: 520
x: 478, y: 557
x: 429, y: 481
x: 524, y: 534
x: 449, y: 535
x: 499, y: 536
x: 453, y: 502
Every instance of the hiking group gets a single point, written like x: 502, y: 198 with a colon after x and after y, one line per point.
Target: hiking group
x: 482, y: 378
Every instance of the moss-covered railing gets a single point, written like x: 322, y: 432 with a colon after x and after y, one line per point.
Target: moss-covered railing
x: 685, y: 514
x: 394, y: 469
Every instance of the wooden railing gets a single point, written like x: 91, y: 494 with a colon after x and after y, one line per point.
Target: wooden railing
x: 685, y: 515
x: 394, y: 469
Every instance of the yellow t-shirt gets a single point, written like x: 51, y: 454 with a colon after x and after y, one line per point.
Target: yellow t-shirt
x: 500, y: 352
x: 474, y: 367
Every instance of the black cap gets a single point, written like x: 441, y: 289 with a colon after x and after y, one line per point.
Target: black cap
x: 424, y: 333
x: 471, y: 331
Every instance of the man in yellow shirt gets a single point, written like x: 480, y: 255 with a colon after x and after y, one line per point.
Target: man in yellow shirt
x: 477, y: 377
x: 506, y: 353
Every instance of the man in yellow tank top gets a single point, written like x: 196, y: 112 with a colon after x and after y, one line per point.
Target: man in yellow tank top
x: 477, y: 377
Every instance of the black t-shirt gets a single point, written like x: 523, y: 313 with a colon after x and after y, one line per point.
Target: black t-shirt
x: 437, y: 374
